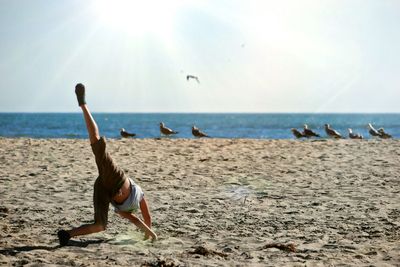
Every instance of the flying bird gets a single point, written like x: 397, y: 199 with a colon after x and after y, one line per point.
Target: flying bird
x: 297, y: 133
x: 192, y: 77
x: 331, y: 132
x: 165, y: 130
x: 354, y: 135
x: 197, y: 133
x: 126, y: 134
x: 372, y: 131
x: 383, y: 134
x: 308, y: 132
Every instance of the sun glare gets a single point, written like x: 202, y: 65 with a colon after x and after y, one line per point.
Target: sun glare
x: 138, y: 17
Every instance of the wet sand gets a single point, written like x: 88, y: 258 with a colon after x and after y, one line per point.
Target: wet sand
x: 214, y: 202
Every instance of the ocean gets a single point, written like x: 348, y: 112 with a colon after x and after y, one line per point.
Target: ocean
x: 227, y: 125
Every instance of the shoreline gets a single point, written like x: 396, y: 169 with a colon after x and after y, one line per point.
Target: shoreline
x: 318, y: 139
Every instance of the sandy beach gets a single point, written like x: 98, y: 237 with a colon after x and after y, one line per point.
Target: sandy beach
x: 214, y: 202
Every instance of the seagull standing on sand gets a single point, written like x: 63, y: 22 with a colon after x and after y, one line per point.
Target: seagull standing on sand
x: 192, y: 77
x: 297, y: 133
x: 383, y: 134
x: 331, y: 132
x: 308, y: 132
x: 165, y: 130
x: 354, y: 135
x: 126, y: 134
x: 372, y: 131
x: 197, y: 133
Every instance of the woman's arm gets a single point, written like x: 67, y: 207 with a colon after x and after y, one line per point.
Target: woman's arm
x: 146, y: 214
x: 139, y: 223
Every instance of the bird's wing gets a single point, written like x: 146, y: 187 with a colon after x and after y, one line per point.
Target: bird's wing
x: 168, y: 130
x: 309, y: 131
x: 203, y: 134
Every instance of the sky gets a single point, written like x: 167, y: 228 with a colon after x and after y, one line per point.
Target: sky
x: 250, y: 56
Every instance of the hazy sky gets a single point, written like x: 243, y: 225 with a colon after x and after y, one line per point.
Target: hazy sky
x: 250, y: 56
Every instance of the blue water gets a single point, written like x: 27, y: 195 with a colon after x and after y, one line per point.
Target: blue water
x: 146, y: 125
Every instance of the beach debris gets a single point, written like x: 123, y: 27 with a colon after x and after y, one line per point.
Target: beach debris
x: 307, y: 132
x: 160, y: 262
x: 354, y: 135
x: 192, y: 77
x: 204, y: 251
x: 164, y: 130
x: 193, y: 210
x: 331, y: 132
x: 125, y: 134
x: 383, y: 134
x: 247, y: 255
x: 3, y: 212
x: 44, y: 167
x: 4, y: 209
x: 197, y: 133
x: 285, y: 247
x: 297, y: 133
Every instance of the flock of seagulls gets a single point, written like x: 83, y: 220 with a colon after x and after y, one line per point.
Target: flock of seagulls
x: 165, y: 131
x: 308, y: 133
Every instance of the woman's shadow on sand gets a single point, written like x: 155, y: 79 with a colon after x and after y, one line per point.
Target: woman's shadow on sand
x: 12, y: 251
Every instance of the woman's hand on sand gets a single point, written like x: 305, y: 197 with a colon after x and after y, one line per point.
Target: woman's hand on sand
x: 140, y: 224
x: 152, y: 235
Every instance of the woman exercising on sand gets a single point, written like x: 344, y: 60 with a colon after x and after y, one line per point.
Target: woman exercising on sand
x: 110, y: 187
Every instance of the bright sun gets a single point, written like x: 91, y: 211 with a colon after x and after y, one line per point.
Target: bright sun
x: 138, y: 17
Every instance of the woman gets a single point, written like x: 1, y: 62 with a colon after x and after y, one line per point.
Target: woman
x: 110, y: 187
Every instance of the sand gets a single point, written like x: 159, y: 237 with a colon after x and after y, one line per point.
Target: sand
x: 214, y: 202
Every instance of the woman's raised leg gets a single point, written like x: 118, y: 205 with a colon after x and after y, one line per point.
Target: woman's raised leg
x: 91, y: 125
